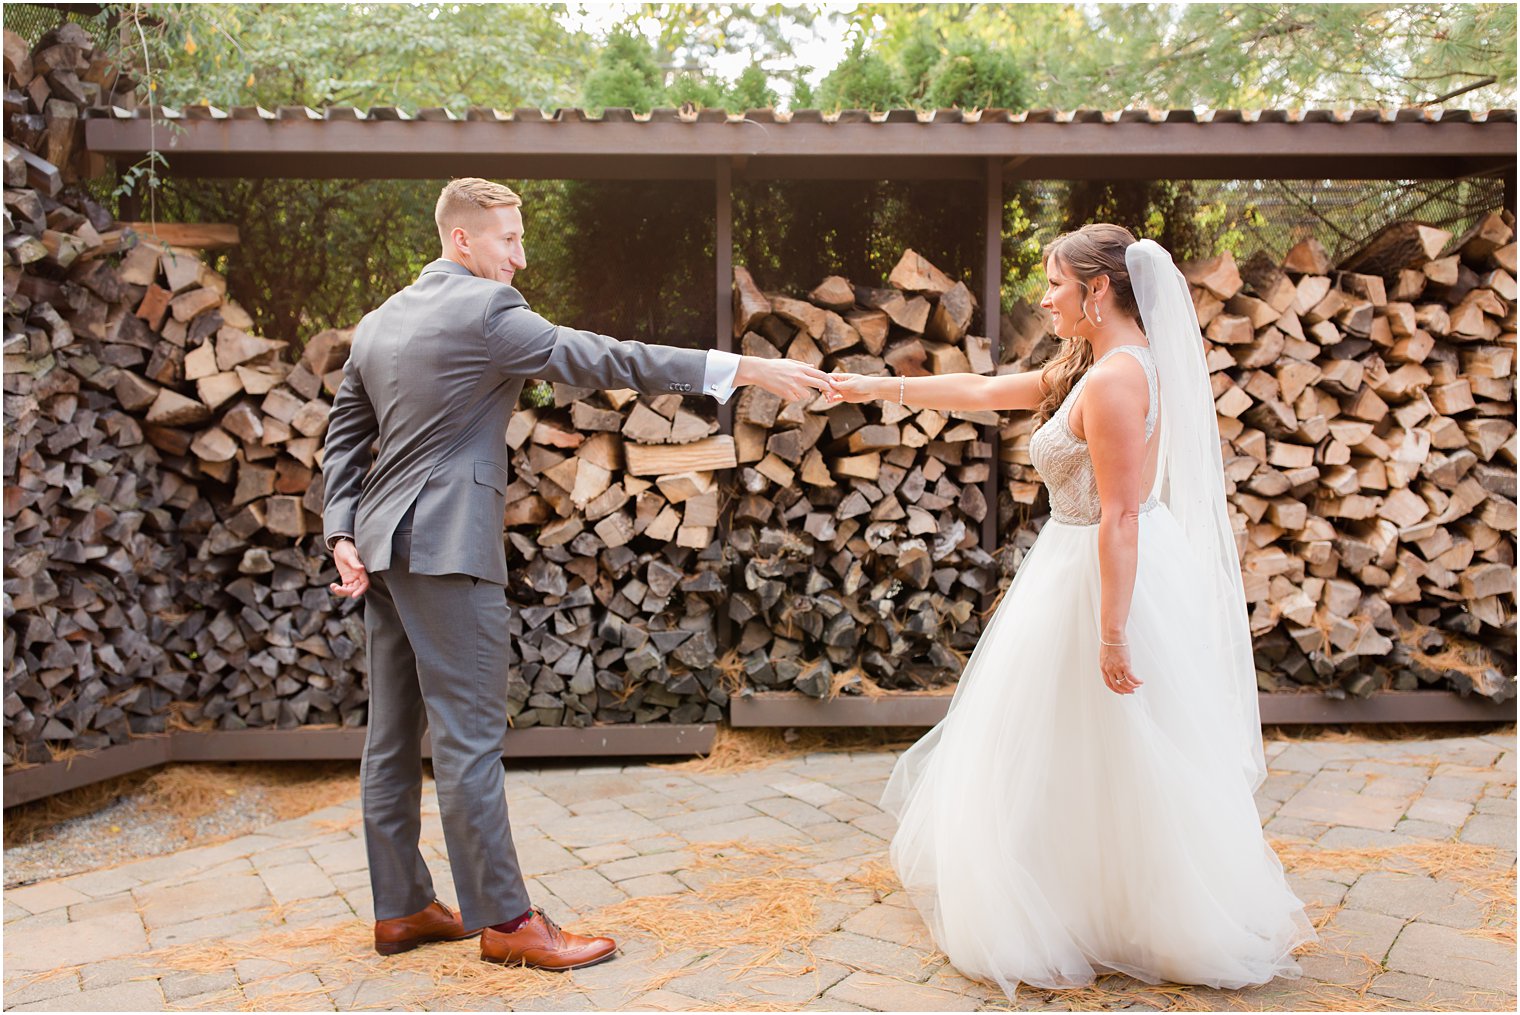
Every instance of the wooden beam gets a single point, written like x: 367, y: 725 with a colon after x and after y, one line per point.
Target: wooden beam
x: 27, y: 783
x: 307, y: 148
x: 194, y: 235
x: 784, y: 708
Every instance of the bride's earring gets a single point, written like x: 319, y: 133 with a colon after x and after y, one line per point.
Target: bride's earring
x: 1097, y: 314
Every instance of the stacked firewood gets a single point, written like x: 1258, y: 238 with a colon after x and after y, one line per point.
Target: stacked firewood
x: 1368, y: 417
x: 163, y: 488
x: 616, y: 569
x: 92, y: 551
x: 858, y: 527
x: 159, y: 467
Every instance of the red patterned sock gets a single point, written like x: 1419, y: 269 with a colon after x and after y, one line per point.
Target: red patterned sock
x: 512, y: 925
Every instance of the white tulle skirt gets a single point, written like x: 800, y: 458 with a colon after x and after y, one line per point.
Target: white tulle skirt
x: 1051, y: 830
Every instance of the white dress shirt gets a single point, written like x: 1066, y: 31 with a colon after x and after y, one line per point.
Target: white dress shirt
x: 718, y: 378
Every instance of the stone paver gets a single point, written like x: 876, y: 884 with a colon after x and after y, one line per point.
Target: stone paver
x: 1342, y: 807
x: 1490, y: 830
x: 1434, y: 994
x: 293, y: 882
x: 138, y: 996
x: 1445, y: 953
x: 1352, y: 947
x: 1415, y: 897
x: 881, y: 993
x: 37, y: 899
x: 106, y: 937
x: 210, y: 898
x: 290, y: 904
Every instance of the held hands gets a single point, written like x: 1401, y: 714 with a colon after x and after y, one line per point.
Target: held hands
x: 351, y: 569
x: 1113, y: 660
x: 788, y: 378
x: 858, y: 387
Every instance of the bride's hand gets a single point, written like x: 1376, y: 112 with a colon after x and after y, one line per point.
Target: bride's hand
x: 1113, y: 660
x: 853, y: 388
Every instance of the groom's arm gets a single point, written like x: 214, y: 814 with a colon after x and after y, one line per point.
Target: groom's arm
x: 523, y: 344
x: 347, y: 455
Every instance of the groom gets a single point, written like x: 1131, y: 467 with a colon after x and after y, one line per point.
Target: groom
x: 415, y: 469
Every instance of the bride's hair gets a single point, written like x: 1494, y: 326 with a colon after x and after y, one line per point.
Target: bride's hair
x: 1095, y: 249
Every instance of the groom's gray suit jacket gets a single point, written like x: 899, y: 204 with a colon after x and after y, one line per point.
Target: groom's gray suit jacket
x: 421, y: 415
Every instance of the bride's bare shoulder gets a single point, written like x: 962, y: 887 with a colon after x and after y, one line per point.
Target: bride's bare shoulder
x: 1117, y: 375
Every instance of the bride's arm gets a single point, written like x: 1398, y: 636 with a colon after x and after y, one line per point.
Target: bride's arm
x: 950, y: 392
x: 1113, y: 417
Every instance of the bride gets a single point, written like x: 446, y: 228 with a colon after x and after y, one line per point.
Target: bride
x: 1086, y: 805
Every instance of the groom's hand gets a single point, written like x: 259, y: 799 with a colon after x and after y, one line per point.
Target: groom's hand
x: 351, y: 569
x: 788, y: 378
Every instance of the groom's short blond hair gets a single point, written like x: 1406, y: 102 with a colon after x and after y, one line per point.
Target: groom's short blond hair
x: 462, y: 200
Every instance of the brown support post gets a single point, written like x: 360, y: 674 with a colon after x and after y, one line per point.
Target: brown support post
x: 992, y: 317
x: 723, y: 258
x: 723, y: 249
x: 129, y: 205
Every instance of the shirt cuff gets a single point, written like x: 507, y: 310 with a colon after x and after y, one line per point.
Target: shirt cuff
x: 718, y: 377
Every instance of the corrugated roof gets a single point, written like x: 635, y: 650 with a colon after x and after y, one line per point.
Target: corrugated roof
x: 434, y: 114
x: 691, y: 144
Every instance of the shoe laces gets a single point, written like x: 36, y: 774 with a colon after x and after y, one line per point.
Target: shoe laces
x: 555, y: 933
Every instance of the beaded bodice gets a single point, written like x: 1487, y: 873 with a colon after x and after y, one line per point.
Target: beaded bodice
x: 1062, y: 458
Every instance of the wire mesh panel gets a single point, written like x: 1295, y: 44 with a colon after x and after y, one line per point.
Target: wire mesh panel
x: 632, y: 259
x: 791, y: 234
x: 635, y: 259
x: 1198, y: 218
x: 30, y: 21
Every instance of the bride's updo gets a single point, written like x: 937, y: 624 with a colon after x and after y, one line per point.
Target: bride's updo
x: 1095, y: 249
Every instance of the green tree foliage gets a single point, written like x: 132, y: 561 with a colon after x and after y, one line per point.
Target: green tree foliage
x: 411, y: 55
x: 864, y: 79
x: 751, y: 90
x: 1225, y: 55
x: 629, y: 74
x: 689, y: 37
x: 925, y: 62
x: 626, y: 75
x: 694, y: 89
x: 976, y: 74
x: 803, y: 95
x: 313, y: 254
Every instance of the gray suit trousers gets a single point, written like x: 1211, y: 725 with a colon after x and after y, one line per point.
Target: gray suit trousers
x: 438, y: 659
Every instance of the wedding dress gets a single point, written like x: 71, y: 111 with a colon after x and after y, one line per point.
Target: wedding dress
x: 1051, y: 830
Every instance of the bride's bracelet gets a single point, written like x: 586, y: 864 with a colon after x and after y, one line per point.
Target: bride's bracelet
x: 1113, y: 644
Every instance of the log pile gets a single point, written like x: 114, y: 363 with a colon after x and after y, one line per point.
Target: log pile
x: 1367, y: 411
x: 616, y: 569
x: 857, y: 527
x: 158, y: 471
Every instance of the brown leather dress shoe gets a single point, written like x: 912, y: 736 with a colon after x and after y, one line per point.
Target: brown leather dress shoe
x: 542, y: 944
x: 403, y: 933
